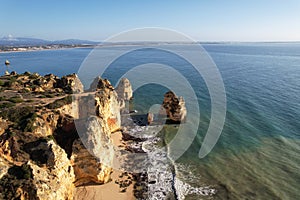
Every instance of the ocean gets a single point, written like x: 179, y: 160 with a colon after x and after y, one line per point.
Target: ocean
x: 257, y: 154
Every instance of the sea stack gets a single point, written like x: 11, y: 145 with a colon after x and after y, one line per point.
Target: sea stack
x: 174, y: 107
x: 150, y: 118
x: 124, y: 89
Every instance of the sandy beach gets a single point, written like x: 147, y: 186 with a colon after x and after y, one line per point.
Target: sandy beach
x: 116, y: 189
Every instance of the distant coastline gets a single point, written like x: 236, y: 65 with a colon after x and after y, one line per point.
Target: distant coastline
x: 29, y: 48
x: 9, y: 49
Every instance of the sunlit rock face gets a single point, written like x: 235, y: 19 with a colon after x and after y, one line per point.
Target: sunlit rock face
x: 174, y: 107
x: 41, y: 153
x: 70, y: 84
x: 104, y: 104
x: 124, y: 89
x: 93, y: 153
x: 99, y: 114
x: 55, y: 181
x: 47, y: 175
x: 33, y: 82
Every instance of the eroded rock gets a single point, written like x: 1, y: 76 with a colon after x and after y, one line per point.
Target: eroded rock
x: 174, y: 107
x: 93, y: 153
x: 124, y: 89
x: 49, y: 176
x: 41, y: 156
x: 70, y: 84
x: 56, y: 180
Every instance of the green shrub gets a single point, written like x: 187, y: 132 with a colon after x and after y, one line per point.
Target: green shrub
x: 29, y: 127
x: 16, y: 100
x: 23, y: 172
x: 23, y: 90
x: 50, y: 95
x: 2, y: 99
x: 7, y: 105
x: 1, y: 83
x: 10, y: 82
x: 21, y: 118
x: 60, y: 102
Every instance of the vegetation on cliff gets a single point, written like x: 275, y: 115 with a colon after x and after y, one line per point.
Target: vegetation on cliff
x: 38, y: 134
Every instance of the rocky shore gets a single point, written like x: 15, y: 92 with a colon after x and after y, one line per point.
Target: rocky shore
x: 59, y: 141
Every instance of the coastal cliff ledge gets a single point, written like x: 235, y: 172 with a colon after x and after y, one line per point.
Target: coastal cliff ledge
x: 41, y: 155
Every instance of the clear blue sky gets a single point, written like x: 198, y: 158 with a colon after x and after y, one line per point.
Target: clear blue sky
x: 204, y: 20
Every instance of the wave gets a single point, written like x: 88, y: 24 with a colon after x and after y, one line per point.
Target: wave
x: 164, y: 181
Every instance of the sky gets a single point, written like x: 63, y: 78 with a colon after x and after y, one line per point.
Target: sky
x: 203, y: 20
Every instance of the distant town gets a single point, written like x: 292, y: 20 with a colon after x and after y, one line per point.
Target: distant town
x: 41, y: 47
x: 10, y: 43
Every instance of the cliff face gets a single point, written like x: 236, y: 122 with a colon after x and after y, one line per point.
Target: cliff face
x: 99, y: 112
x: 46, y: 174
x: 41, y: 155
x: 107, y: 105
x: 55, y: 173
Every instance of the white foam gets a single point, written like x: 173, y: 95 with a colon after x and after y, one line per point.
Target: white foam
x: 183, y: 189
x: 161, y: 170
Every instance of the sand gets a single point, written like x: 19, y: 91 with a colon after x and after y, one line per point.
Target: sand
x: 111, y: 190
x: 108, y: 191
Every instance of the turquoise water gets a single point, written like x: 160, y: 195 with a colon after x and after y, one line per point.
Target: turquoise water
x: 257, y: 155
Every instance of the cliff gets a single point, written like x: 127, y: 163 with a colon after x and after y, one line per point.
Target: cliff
x: 41, y: 155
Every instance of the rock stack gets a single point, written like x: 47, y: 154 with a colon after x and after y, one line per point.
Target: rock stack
x: 174, y: 107
x: 124, y: 89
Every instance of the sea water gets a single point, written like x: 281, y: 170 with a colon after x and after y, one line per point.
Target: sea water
x: 257, y: 155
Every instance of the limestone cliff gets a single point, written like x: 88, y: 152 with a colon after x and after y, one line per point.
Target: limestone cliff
x: 99, y: 113
x: 53, y: 177
x: 41, y: 155
x: 106, y: 103
x: 47, y: 174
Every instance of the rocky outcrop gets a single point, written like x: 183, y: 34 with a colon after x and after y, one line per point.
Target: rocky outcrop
x: 92, y: 155
x: 47, y: 175
x: 58, y: 175
x: 100, y: 84
x: 150, y: 118
x: 41, y: 155
x: 103, y: 104
x: 124, y: 89
x: 50, y: 84
x: 174, y: 107
x: 70, y: 84
x: 3, y: 125
x: 44, y: 123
